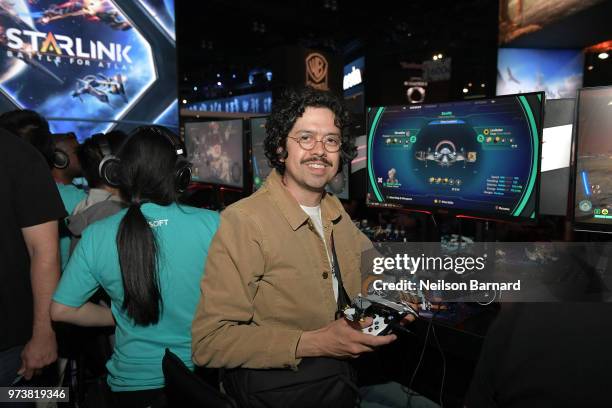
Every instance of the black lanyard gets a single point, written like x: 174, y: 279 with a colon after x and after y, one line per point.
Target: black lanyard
x: 343, y: 298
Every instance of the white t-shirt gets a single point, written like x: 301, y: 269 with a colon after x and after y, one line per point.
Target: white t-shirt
x: 315, y: 215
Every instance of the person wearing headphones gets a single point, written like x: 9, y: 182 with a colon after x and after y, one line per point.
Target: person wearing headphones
x: 59, y: 152
x: 102, y: 199
x: 66, y: 167
x: 149, y: 258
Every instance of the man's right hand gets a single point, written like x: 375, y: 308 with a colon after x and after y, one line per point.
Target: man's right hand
x: 340, y: 339
x: 40, y: 351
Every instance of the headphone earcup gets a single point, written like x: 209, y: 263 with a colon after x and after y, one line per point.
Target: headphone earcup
x: 109, y: 170
x: 60, y: 159
x: 182, y: 176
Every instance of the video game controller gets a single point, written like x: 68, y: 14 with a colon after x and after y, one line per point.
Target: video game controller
x: 386, y: 315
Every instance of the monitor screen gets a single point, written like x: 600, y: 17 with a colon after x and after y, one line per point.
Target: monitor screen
x: 556, y: 155
x: 593, y: 195
x: 261, y: 169
x: 216, y: 151
x: 477, y: 157
x: 557, y: 72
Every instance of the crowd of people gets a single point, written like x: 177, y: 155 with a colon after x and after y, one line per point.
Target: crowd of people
x: 255, y: 291
x: 257, y: 287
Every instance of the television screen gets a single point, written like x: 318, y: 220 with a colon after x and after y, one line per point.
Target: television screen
x: 88, y: 65
x: 556, y: 72
x: 261, y: 169
x: 556, y: 155
x: 476, y: 157
x: 593, y: 194
x: 216, y: 151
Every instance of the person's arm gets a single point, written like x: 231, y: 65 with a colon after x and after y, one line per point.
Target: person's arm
x: 42, y: 244
x: 78, y: 283
x: 340, y: 339
x: 89, y: 314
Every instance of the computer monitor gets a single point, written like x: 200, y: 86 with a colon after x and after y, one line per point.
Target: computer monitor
x: 260, y: 165
x: 556, y: 156
x: 593, y: 185
x: 478, y: 157
x: 216, y: 150
x: 557, y: 72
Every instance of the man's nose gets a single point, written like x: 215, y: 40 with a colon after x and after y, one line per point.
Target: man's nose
x: 319, y: 148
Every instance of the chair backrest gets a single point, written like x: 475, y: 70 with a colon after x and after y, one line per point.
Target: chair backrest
x: 184, y: 388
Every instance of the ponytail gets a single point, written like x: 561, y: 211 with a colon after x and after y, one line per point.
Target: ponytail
x: 138, y: 251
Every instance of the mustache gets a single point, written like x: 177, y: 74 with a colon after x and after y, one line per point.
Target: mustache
x: 317, y: 160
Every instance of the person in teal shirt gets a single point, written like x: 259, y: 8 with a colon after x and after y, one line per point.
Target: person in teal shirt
x: 149, y: 258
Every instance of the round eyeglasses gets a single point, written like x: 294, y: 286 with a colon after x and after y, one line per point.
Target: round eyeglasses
x: 307, y: 142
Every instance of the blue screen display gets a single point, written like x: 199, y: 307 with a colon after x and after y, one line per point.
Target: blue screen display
x: 478, y: 157
x: 556, y: 72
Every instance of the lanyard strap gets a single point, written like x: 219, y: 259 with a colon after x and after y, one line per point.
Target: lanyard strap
x: 343, y: 298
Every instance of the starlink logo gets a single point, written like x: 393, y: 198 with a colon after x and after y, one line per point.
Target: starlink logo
x: 57, y: 45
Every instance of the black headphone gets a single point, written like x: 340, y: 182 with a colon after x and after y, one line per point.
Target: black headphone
x: 60, y: 158
x: 110, y: 164
x: 108, y: 173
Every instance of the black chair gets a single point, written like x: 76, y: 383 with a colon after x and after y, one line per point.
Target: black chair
x: 185, y: 388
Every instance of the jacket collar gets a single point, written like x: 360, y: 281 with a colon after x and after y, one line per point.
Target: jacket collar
x: 290, y: 208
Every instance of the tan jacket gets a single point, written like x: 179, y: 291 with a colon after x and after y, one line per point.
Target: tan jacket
x: 268, y: 279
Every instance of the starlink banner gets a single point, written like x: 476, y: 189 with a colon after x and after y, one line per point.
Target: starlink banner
x: 89, y: 65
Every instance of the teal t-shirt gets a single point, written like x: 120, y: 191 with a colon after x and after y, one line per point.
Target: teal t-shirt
x: 71, y: 196
x: 183, y: 235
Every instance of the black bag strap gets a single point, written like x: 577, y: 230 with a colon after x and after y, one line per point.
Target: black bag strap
x: 343, y: 299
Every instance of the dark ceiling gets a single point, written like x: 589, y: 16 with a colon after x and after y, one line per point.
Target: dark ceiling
x: 234, y: 37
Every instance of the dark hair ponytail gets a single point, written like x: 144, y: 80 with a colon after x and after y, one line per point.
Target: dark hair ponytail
x: 147, y: 163
x: 138, y: 261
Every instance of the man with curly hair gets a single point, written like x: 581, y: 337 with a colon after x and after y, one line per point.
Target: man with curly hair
x: 283, y: 263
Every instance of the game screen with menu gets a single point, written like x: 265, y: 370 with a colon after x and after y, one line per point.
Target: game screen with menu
x: 216, y: 151
x: 593, y: 198
x: 476, y: 157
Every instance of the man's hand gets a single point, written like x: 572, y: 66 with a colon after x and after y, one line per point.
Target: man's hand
x: 40, y: 351
x: 42, y: 243
x: 340, y: 339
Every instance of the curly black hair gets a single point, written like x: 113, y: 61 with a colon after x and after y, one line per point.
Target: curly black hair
x: 291, y: 106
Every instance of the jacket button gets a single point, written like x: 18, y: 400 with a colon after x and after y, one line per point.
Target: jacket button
x: 325, y: 275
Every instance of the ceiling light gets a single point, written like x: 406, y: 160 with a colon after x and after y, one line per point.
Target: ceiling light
x: 465, y: 90
x: 603, y: 55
